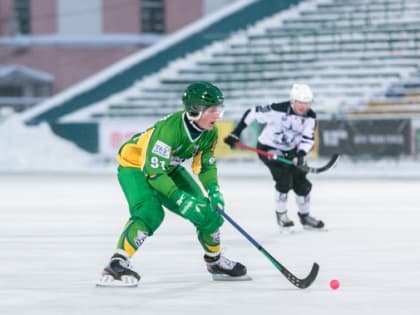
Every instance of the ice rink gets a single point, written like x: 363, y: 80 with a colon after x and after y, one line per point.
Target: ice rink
x: 58, y: 231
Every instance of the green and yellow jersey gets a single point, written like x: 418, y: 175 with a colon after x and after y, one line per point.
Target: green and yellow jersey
x: 161, y: 148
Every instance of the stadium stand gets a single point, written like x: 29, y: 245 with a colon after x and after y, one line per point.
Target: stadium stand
x: 401, y: 99
x: 348, y: 51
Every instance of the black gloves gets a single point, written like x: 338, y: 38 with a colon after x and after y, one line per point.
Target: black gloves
x: 231, y: 140
x: 300, y: 158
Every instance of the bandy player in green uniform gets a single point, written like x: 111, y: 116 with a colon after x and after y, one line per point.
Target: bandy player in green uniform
x: 152, y: 177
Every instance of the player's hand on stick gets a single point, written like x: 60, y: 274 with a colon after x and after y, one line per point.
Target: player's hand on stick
x: 300, y: 159
x: 216, y: 198
x: 191, y: 207
x: 231, y: 140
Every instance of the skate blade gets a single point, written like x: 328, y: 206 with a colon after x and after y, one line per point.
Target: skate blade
x: 287, y: 230
x: 110, y: 282
x: 222, y: 277
x: 310, y: 228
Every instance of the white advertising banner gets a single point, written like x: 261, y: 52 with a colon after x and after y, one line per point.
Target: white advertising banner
x: 112, y: 134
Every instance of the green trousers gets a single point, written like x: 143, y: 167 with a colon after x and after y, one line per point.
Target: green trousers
x: 146, y: 207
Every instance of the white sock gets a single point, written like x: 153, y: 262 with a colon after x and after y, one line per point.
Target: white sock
x: 280, y: 200
x: 303, y: 203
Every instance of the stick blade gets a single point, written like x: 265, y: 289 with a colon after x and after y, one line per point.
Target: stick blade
x: 306, y: 282
x: 326, y: 167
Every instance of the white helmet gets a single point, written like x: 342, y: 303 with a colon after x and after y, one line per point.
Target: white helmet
x: 301, y: 93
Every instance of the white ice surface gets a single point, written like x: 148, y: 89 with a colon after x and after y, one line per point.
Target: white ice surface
x: 58, y: 231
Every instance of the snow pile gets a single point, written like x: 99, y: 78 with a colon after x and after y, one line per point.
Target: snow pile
x: 26, y: 148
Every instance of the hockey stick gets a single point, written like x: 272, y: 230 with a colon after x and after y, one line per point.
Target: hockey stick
x: 300, y: 283
x: 304, y: 168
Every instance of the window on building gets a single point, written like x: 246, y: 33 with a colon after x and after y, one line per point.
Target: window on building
x: 11, y: 91
x: 23, y: 16
x: 153, y: 16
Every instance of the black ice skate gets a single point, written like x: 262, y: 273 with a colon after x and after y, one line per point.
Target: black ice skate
x: 119, y: 273
x: 224, y: 269
x: 283, y: 220
x: 309, y: 222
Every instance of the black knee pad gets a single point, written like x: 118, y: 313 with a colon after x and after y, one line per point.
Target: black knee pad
x: 302, y: 188
x: 283, y: 186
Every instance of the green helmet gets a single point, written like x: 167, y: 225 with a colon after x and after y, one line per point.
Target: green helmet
x: 200, y: 95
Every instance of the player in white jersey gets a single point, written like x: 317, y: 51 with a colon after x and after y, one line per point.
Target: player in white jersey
x: 288, y: 131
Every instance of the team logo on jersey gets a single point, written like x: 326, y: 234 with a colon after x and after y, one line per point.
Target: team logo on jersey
x: 162, y: 149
